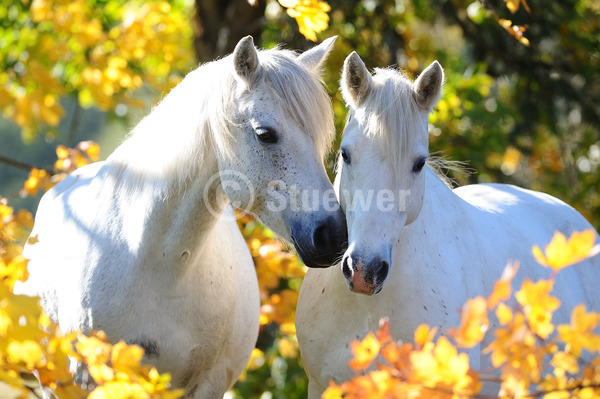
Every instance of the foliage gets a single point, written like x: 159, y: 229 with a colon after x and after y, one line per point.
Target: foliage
x: 33, y: 348
x: 69, y: 159
x: 523, y: 344
x: 311, y: 16
x: 274, y: 365
x: 517, y: 113
x: 100, y: 51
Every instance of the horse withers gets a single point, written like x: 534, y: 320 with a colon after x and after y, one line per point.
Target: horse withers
x: 418, y: 249
x: 145, y: 245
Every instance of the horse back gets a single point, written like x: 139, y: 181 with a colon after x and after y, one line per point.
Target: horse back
x: 514, y: 219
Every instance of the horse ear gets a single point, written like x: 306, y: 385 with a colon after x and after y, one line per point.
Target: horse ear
x: 356, y: 80
x: 314, y: 58
x: 428, y: 86
x: 245, y: 60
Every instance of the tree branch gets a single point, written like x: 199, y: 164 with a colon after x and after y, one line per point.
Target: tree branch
x: 24, y: 166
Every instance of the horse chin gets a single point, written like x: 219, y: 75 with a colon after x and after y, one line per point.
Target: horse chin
x: 318, y: 262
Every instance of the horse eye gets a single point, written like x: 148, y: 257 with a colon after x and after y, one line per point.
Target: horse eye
x: 418, y: 164
x: 345, y: 155
x: 266, y: 134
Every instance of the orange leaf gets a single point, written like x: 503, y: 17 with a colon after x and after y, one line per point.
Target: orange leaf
x: 383, y: 333
x: 364, y: 352
x: 474, y: 323
x: 502, y: 287
x: 333, y: 391
x: 424, y: 334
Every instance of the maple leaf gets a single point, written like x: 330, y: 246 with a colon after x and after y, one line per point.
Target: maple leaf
x: 38, y: 179
x: 538, y: 305
x: 579, y: 334
x: 513, y: 5
x: 126, y: 358
x: 504, y: 314
x: 474, y: 323
x: 424, y: 334
x: 311, y: 16
x: 560, y: 252
x: 333, y: 391
x: 502, y: 287
x: 364, y: 352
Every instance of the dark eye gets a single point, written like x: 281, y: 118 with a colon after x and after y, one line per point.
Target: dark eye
x: 418, y: 164
x: 266, y: 134
x: 345, y: 155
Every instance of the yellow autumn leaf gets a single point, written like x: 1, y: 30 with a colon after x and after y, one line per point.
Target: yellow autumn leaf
x: 287, y: 348
x: 364, y: 352
x: 333, y: 391
x: 564, y: 362
x: 119, y: 389
x: 91, y: 149
x: 474, y: 323
x: 580, y: 334
x: 311, y: 16
x: 504, y: 314
x: 101, y: 372
x: 512, y: 5
x: 62, y: 152
x: 502, y: 287
x: 126, y: 358
x: 424, y: 334
x: 560, y: 252
x: 27, y: 352
x: 538, y: 305
x: 38, y: 179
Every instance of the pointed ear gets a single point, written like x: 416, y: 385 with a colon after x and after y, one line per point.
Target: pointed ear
x: 314, y: 58
x: 428, y: 86
x: 356, y: 80
x: 245, y: 60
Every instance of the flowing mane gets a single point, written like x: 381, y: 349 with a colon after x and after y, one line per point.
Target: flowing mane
x: 169, y: 146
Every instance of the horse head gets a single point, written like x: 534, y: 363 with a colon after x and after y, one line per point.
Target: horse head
x: 381, y: 176
x: 282, y: 122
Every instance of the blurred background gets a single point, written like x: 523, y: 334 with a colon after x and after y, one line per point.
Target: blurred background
x: 521, y: 103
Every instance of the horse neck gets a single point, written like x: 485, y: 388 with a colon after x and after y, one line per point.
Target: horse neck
x: 164, y: 167
x: 441, y: 206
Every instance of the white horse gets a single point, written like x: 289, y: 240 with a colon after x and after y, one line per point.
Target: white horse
x: 145, y: 245
x: 432, y: 246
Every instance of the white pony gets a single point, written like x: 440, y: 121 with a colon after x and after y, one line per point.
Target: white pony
x: 432, y: 246
x: 145, y: 245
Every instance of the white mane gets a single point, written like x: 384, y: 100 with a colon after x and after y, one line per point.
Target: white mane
x: 170, y: 145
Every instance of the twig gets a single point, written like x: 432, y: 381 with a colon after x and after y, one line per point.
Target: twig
x: 75, y: 118
x: 23, y: 166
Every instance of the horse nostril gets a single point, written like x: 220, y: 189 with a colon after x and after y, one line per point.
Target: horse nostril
x: 322, y: 239
x: 346, y: 267
x: 382, y: 272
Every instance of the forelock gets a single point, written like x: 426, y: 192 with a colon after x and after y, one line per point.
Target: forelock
x: 300, y: 93
x: 392, y: 114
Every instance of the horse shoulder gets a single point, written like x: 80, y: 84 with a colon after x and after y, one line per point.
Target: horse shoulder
x: 60, y: 243
x: 246, y: 308
x: 328, y: 317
